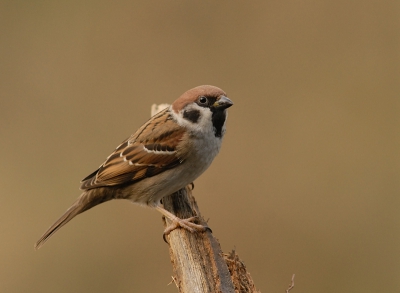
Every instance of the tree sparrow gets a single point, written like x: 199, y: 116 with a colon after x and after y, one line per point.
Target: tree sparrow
x: 167, y: 153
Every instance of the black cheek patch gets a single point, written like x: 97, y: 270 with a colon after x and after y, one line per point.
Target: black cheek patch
x: 191, y: 115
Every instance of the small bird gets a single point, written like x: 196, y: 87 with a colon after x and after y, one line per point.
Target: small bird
x: 167, y: 153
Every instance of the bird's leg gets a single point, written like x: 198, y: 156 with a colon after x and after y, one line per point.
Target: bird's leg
x: 178, y: 222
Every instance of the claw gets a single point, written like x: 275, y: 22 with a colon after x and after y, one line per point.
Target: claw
x: 186, y: 224
x: 176, y: 222
x: 192, y: 185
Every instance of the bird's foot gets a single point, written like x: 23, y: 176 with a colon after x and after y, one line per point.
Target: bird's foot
x: 187, y: 224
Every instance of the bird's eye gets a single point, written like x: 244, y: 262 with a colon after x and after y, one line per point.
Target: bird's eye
x: 203, y: 100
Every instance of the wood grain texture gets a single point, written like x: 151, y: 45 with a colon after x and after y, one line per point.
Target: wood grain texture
x: 197, y: 259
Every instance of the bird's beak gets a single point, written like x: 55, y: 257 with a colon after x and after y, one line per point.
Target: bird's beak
x: 222, y: 103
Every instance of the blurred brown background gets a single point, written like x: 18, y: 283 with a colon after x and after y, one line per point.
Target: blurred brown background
x: 307, y: 181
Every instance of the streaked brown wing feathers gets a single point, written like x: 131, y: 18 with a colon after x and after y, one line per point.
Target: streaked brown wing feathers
x: 150, y: 151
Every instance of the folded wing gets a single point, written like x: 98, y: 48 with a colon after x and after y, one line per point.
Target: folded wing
x: 150, y: 151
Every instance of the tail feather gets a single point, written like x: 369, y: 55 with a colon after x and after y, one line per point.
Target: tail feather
x: 86, y: 201
x: 73, y: 211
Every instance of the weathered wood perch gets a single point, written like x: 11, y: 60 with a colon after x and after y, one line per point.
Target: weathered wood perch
x: 197, y: 260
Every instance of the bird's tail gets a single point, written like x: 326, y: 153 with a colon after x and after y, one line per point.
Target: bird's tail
x: 87, y: 200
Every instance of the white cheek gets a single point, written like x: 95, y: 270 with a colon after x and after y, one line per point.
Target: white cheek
x: 202, y: 125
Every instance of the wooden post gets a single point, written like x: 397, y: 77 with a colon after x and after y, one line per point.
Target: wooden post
x: 197, y: 259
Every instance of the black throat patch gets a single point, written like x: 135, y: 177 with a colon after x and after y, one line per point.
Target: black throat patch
x: 218, y: 120
x: 192, y: 115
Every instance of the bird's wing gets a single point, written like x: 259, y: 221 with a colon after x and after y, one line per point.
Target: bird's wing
x: 153, y: 149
